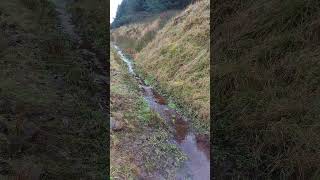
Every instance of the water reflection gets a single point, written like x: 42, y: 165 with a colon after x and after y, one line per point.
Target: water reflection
x: 181, y: 127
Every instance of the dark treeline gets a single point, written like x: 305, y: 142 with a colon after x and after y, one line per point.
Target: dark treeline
x: 128, y: 9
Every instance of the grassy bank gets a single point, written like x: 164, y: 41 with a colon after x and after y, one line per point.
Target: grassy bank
x: 134, y: 37
x: 178, y: 60
x: 266, y: 88
x: 90, y: 19
x: 49, y: 127
x: 141, y: 147
x: 174, y: 58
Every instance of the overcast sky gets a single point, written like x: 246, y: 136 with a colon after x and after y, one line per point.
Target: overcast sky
x: 113, y: 8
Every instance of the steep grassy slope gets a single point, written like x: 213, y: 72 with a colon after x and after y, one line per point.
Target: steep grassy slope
x: 266, y: 88
x: 51, y: 125
x: 172, y: 53
x: 134, y: 37
x: 177, y: 59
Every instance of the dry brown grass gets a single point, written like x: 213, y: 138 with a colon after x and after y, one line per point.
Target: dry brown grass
x: 49, y: 119
x: 137, y: 35
x: 178, y: 58
x: 265, y: 88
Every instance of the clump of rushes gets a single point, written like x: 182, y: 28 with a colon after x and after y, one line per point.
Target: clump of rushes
x: 144, y: 111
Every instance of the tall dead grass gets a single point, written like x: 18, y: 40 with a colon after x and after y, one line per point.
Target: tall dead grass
x: 137, y: 35
x: 266, y: 77
x: 178, y: 58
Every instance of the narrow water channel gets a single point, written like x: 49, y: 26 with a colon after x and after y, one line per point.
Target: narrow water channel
x: 196, y: 147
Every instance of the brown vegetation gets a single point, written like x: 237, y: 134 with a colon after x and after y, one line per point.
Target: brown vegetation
x: 266, y: 89
x: 178, y: 59
x: 49, y: 127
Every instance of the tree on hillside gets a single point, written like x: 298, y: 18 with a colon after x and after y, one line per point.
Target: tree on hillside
x: 162, y: 5
x: 128, y: 9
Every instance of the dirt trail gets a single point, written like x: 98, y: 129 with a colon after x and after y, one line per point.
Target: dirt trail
x: 66, y: 24
x: 195, y: 146
x: 94, y: 58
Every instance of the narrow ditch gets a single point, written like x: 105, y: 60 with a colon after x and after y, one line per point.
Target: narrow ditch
x: 195, y: 146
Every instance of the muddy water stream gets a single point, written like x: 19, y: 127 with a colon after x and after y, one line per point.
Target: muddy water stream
x: 196, y: 147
